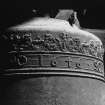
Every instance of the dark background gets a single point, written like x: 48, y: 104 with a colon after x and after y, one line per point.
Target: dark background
x: 13, y: 12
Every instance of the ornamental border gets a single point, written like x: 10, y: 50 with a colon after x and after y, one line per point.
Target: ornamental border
x: 42, y: 73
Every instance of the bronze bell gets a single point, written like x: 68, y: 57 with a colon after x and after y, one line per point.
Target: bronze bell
x: 52, y: 62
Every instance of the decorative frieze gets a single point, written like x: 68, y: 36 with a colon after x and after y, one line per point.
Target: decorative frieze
x: 48, y: 41
x: 47, y: 52
x: 72, y: 62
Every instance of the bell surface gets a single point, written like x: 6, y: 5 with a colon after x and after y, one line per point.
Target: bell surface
x: 52, y: 61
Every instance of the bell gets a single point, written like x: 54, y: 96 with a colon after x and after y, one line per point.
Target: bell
x: 52, y: 61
